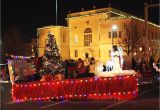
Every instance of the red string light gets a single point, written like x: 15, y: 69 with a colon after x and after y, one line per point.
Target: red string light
x: 95, y: 88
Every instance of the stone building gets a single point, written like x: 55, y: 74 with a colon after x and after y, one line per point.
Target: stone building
x: 94, y: 32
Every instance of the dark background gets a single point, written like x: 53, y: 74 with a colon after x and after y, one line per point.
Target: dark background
x: 28, y: 15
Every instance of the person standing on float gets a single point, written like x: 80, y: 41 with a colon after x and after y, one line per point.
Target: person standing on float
x: 116, y: 59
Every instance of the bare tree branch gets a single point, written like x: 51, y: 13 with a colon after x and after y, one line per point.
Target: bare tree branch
x: 131, y: 38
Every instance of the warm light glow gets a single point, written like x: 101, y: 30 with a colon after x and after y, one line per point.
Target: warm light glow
x: 114, y: 27
x: 149, y: 49
x: 140, y: 48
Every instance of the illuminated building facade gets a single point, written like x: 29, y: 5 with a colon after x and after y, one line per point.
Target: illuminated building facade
x: 92, y: 32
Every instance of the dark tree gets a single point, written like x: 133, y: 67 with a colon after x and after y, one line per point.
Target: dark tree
x: 13, y: 44
x: 131, y: 38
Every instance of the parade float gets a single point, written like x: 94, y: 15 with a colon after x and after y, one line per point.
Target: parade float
x: 115, y: 84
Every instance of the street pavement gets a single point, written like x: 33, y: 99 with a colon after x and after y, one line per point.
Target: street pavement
x: 148, y: 99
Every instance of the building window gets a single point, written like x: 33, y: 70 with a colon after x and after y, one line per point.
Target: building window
x: 156, y: 51
x: 120, y: 34
x: 109, y: 34
x: 76, y: 53
x: 109, y: 53
x: 76, y: 38
x: 64, y: 38
x: 143, y: 32
x: 87, y: 37
x: 155, y: 37
x: 114, y: 34
x: 152, y: 36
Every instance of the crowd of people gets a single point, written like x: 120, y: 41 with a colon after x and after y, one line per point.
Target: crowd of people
x: 80, y: 68
x: 88, y: 67
x: 142, y: 66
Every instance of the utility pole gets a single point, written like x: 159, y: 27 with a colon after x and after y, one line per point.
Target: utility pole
x: 56, y: 12
x: 146, y: 38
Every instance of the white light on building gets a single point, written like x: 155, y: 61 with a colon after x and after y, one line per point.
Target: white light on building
x: 140, y: 49
x: 76, y: 38
x: 114, y: 27
x: 149, y: 48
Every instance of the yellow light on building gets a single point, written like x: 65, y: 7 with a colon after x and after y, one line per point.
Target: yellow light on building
x: 140, y: 48
x: 114, y: 29
x: 149, y: 48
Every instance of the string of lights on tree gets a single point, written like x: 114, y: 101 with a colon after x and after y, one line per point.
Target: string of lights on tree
x: 52, y: 59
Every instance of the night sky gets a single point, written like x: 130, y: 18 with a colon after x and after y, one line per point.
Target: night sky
x: 28, y: 15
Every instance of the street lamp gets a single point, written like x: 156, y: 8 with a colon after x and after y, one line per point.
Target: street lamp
x: 146, y: 39
x: 114, y: 28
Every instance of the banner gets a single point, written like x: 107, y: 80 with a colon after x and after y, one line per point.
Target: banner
x: 19, y: 69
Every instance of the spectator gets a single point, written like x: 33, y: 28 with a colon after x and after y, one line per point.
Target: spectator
x: 71, y: 69
x: 66, y: 64
x: 158, y: 63
x: 87, y: 62
x: 38, y: 64
x: 151, y: 61
x: 81, y: 70
x: 143, y: 65
x: 134, y: 64
x: 92, y: 68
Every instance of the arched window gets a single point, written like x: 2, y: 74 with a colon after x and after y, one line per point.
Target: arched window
x: 87, y: 37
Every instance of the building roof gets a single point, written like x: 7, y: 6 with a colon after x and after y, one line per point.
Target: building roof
x: 105, y: 11
x: 94, y: 12
x: 51, y: 26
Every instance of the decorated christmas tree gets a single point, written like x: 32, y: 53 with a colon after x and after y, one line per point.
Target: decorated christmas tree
x: 51, y: 60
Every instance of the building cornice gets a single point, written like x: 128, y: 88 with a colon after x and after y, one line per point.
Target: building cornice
x: 51, y: 26
x: 106, y: 11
